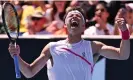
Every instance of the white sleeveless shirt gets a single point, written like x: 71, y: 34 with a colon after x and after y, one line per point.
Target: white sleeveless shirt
x: 67, y: 66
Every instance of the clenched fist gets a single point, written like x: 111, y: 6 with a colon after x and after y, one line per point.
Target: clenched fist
x: 14, y: 49
x: 120, y: 19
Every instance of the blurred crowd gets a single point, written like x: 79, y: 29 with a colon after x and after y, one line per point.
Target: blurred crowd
x: 46, y: 17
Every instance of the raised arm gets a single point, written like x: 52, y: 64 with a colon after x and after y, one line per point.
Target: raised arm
x: 29, y: 70
x: 111, y: 52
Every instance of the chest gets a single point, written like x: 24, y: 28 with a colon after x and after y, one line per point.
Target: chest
x: 71, y: 55
x: 71, y: 52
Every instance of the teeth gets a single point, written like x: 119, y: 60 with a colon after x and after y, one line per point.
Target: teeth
x: 73, y: 26
x: 74, y: 23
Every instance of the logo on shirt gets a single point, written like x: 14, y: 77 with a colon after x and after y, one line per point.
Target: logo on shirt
x: 83, y: 54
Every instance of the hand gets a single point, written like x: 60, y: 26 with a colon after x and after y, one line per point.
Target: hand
x: 121, y: 13
x: 14, y: 49
x: 120, y: 20
x: 99, y: 21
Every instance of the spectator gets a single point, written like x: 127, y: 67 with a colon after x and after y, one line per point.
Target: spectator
x: 28, y: 9
x: 102, y: 27
x: 74, y: 3
x: 36, y: 24
x: 87, y: 6
x: 128, y: 18
x: 114, y: 6
x: 57, y: 14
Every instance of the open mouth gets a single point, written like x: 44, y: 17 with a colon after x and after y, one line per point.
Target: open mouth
x: 99, y: 15
x: 74, y: 23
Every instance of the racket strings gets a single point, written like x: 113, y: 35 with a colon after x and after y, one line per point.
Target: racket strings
x: 10, y: 18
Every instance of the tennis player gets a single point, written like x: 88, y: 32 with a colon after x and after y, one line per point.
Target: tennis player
x: 72, y: 58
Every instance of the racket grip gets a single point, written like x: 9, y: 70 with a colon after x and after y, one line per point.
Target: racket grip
x: 16, y: 64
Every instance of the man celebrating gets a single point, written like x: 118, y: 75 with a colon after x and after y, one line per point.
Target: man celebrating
x: 72, y: 58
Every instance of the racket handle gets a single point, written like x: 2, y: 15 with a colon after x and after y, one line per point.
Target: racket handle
x: 16, y: 64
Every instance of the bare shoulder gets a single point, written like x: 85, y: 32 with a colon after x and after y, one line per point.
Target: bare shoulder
x: 96, y: 46
x: 46, y: 50
x: 48, y: 47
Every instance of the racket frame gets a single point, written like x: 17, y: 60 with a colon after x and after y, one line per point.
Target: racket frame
x: 12, y: 40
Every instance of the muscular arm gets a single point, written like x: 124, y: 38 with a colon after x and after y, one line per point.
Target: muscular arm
x: 29, y: 70
x: 111, y: 52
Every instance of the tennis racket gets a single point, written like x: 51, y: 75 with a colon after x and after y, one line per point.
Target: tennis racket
x: 11, y: 26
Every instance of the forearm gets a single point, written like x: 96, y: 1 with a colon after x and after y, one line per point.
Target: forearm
x: 29, y: 70
x: 125, y: 43
x: 25, y: 68
x: 121, y: 53
x: 125, y: 49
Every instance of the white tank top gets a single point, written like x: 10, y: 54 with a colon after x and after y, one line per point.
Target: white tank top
x: 68, y: 66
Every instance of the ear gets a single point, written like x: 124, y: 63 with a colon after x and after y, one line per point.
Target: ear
x: 84, y: 27
x: 108, y: 14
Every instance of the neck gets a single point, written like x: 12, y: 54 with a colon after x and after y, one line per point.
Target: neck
x: 101, y: 26
x: 59, y: 10
x: 74, y: 39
